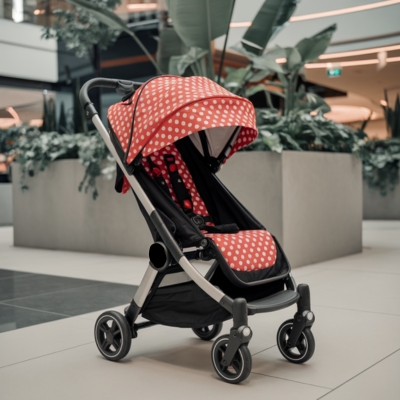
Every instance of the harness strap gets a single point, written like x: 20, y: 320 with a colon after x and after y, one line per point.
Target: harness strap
x: 157, y: 176
x: 181, y: 192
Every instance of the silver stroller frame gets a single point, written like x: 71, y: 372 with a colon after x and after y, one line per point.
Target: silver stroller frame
x: 162, y: 252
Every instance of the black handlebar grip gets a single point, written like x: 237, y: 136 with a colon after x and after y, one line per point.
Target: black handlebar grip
x: 122, y: 88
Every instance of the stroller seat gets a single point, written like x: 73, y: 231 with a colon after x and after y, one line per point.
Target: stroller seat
x: 246, y: 250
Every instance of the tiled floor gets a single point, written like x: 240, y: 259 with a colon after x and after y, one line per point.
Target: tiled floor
x: 29, y: 299
x: 356, y: 300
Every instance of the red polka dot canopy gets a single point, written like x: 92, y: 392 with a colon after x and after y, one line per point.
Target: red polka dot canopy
x: 169, y: 108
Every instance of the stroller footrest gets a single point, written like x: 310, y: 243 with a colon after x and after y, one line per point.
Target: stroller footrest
x: 275, y: 302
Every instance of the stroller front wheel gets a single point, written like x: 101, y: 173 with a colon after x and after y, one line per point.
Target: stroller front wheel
x: 304, y: 348
x: 208, y: 332
x: 113, y: 335
x: 240, y: 367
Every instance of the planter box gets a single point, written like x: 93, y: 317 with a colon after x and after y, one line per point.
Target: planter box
x: 53, y: 214
x: 377, y: 206
x: 6, y: 205
x: 312, y: 202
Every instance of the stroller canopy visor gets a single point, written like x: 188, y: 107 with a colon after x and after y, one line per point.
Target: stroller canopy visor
x: 169, y: 108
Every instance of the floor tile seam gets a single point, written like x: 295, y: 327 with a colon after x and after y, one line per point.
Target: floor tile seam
x: 270, y: 347
x: 54, y: 292
x: 46, y: 355
x: 35, y: 309
x: 352, y: 309
x: 23, y: 275
x: 291, y: 380
x: 367, y: 272
x: 360, y: 373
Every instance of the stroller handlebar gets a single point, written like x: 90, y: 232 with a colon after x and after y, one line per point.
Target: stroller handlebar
x: 121, y: 87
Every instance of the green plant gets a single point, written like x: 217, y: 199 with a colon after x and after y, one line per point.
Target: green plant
x: 303, y: 132
x: 295, y: 96
x: 35, y: 150
x: 81, y: 30
x: 381, y: 164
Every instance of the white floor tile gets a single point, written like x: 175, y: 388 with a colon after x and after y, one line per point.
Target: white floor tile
x: 379, y: 382
x: 347, y: 342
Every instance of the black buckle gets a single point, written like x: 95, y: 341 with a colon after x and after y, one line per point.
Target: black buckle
x: 198, y: 220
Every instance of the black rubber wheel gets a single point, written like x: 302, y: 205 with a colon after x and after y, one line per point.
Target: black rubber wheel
x: 208, y: 332
x: 240, y: 367
x: 113, y: 335
x: 304, y: 348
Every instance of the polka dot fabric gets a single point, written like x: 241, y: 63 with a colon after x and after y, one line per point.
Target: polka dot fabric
x: 158, y: 158
x: 172, y: 107
x: 246, y: 250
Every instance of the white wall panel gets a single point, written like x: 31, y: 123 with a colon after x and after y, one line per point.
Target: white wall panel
x: 23, y: 54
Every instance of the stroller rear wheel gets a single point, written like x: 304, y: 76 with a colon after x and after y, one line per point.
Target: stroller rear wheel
x: 208, y: 332
x: 240, y: 367
x: 113, y: 335
x: 304, y: 348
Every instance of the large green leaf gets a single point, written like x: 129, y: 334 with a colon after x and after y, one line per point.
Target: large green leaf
x: 198, y: 22
x: 311, y: 48
x: 268, y: 60
x: 269, y: 20
x: 194, y: 58
x: 114, y: 22
x: 169, y: 44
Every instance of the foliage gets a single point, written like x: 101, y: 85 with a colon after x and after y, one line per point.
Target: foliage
x: 35, y: 150
x: 308, y: 49
x: 80, y: 29
x: 212, y: 20
x: 304, y: 132
x: 270, y: 19
x: 381, y: 163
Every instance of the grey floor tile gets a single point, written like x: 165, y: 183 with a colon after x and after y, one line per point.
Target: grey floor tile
x: 380, y: 381
x: 12, y: 317
x: 26, y: 286
x: 80, y: 300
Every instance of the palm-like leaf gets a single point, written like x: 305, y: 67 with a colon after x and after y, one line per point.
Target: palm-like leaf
x: 272, y: 16
x: 311, y: 48
x: 198, y: 22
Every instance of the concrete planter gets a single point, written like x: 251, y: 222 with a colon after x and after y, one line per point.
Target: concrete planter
x: 53, y: 214
x: 376, y: 206
x: 6, y: 204
x: 312, y: 202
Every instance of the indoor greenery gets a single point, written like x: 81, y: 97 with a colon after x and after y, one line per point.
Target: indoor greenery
x: 35, y: 150
x: 185, y: 49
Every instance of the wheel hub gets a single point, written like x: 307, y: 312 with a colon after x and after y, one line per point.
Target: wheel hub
x: 109, y: 337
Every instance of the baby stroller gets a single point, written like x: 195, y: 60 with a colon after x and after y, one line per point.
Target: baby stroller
x: 170, y: 136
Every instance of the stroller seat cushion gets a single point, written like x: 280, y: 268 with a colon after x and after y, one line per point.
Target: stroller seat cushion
x: 246, y: 250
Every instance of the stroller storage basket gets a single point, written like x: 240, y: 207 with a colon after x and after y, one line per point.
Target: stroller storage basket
x: 184, y: 306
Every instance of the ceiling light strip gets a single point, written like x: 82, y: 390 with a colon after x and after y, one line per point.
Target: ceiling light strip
x: 352, y: 63
x: 359, y: 52
x: 325, y: 14
x: 349, y: 10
